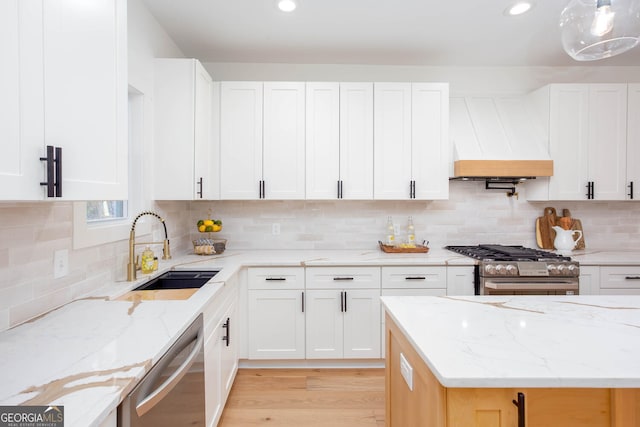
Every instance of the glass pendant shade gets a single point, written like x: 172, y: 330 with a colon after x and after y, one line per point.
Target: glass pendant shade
x: 597, y: 29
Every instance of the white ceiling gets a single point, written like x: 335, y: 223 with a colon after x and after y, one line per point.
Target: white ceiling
x: 385, y: 32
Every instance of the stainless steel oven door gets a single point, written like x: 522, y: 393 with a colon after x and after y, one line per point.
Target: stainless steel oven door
x: 172, y: 392
x: 529, y: 286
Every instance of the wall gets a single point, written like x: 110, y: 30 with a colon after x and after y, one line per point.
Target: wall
x: 472, y: 215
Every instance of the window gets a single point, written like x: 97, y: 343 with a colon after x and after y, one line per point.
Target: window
x: 104, y: 221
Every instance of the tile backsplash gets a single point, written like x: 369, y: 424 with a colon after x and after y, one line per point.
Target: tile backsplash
x: 30, y: 233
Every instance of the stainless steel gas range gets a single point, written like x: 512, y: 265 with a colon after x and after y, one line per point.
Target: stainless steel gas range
x: 516, y: 270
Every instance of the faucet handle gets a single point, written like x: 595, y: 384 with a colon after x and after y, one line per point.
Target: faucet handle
x: 137, y: 262
x: 166, y: 251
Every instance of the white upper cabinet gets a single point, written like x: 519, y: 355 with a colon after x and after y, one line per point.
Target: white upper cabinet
x: 339, y: 141
x: 411, y: 140
x: 633, y: 143
x: 183, y: 136
x: 283, y: 141
x: 65, y: 77
x: 262, y: 140
x: 240, y: 140
x: 587, y: 141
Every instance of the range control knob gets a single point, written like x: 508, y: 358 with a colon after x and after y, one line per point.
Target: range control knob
x: 500, y: 269
x: 561, y: 269
x: 490, y: 268
x: 552, y: 269
x: 512, y: 270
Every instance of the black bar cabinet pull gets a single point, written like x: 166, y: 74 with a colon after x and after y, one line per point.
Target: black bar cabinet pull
x: 303, y: 301
x: 630, y: 190
x: 341, y: 302
x: 415, y: 278
x: 49, y: 183
x: 264, y: 193
x: 58, y: 162
x: 520, y: 404
x: 342, y: 278
x: 340, y: 189
x: 199, y: 192
x: 345, y: 301
x: 632, y: 278
x: 227, y: 337
x: 274, y: 279
x: 593, y: 190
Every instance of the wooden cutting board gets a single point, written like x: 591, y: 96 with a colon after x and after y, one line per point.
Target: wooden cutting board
x: 544, y: 233
x: 576, y: 224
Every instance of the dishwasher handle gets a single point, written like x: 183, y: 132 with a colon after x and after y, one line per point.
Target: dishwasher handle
x: 158, y: 394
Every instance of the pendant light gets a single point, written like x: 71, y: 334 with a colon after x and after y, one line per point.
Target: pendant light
x: 597, y: 29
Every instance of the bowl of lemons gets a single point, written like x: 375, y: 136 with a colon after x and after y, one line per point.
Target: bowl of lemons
x: 209, y: 225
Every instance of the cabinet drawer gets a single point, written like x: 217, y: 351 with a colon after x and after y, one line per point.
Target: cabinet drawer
x: 620, y: 277
x: 276, y: 278
x: 343, y: 278
x: 414, y: 277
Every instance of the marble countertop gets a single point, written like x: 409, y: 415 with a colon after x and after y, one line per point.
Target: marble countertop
x: 87, y: 355
x: 524, y: 341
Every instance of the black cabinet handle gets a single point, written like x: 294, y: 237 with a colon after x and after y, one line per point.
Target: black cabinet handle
x: 412, y: 189
x: 341, y: 302
x: 342, y: 278
x: 415, y: 278
x: 275, y: 279
x: 520, y: 404
x: 303, y: 301
x: 345, y: 301
x: 227, y: 337
x: 264, y: 193
x: 199, y: 192
x: 630, y: 190
x: 632, y: 278
x: 58, y: 162
x: 49, y: 183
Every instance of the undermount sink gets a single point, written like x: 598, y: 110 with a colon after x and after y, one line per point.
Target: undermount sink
x: 178, y: 280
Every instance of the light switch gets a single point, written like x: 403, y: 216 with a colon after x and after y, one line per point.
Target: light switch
x: 407, y: 371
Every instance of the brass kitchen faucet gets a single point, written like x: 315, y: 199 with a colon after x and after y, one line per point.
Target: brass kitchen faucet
x: 132, y: 266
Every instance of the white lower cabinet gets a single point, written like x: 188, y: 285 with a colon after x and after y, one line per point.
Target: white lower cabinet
x: 460, y: 280
x: 619, y: 280
x: 343, y: 313
x: 220, y: 350
x: 276, y: 315
x: 589, y: 280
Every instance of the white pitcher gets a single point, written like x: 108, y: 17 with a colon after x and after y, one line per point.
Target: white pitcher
x: 564, y: 239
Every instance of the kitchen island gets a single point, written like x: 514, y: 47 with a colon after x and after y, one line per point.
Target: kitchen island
x: 513, y: 361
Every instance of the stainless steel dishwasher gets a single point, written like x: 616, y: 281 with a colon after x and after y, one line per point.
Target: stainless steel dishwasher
x: 172, y: 392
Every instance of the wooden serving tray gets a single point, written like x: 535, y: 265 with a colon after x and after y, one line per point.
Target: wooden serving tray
x: 396, y: 250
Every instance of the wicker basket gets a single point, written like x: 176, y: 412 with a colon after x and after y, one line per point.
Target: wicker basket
x: 209, y: 246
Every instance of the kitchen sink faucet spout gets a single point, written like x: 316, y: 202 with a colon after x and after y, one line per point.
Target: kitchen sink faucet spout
x: 132, y: 266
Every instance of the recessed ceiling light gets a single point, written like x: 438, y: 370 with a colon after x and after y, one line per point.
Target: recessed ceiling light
x: 518, y: 8
x: 287, y: 5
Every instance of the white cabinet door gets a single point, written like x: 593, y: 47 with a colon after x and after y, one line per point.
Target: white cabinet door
x: 460, y: 281
x: 21, y: 103
x: 324, y: 324
x: 430, y: 140
x: 283, y: 140
x: 240, y: 140
x: 276, y: 324
x: 568, y: 141
x: 213, y: 348
x: 85, y: 95
x: 356, y: 141
x: 608, y: 140
x: 361, y: 324
x: 392, y: 140
x: 589, y: 280
x: 633, y: 142
x: 322, y: 141
x: 182, y: 122
x: 229, y: 357
x: 620, y: 280
x: 414, y: 277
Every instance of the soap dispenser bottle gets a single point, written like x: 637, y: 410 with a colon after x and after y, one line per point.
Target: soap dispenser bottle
x: 147, y: 261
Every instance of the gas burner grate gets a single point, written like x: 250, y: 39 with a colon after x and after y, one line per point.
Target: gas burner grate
x: 506, y: 253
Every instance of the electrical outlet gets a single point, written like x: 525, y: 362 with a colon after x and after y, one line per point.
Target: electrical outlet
x: 275, y: 229
x: 406, y: 370
x: 60, y: 263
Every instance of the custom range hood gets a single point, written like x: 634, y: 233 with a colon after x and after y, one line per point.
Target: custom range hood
x: 497, y: 139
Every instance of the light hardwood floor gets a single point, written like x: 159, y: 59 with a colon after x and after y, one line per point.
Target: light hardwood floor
x: 306, y: 398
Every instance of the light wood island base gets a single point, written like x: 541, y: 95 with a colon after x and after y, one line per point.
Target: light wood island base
x: 432, y: 405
